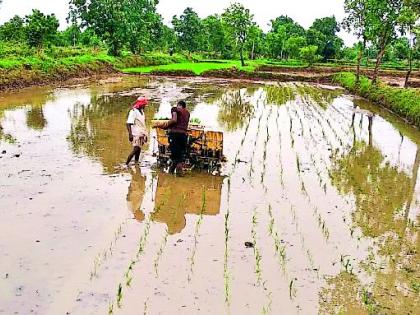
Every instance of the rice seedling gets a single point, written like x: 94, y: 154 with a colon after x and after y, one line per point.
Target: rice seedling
x: 160, y: 253
x: 226, y: 276
x: 279, y: 249
x: 257, y: 254
x: 196, y: 232
x: 111, y: 309
x: 119, y: 295
x: 145, y: 306
x: 346, y: 264
x: 102, y: 257
x: 292, y: 289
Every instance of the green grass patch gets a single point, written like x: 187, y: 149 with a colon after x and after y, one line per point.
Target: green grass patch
x: 405, y: 102
x: 197, y: 68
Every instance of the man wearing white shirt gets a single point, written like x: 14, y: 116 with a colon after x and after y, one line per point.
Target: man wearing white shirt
x: 136, y: 127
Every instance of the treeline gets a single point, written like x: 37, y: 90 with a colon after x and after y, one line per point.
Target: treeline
x: 387, y: 30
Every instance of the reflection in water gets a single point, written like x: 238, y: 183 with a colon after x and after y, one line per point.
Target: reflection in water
x: 383, y: 197
x: 342, y: 296
x: 136, y: 192
x: 322, y: 97
x: 33, y: 97
x: 396, y: 285
x: 383, y: 249
x: 35, y: 118
x: 99, y: 130
x: 197, y: 194
x: 279, y: 94
x: 235, y: 109
x: 380, y: 190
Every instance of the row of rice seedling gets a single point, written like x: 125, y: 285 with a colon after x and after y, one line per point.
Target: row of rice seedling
x: 265, y: 149
x: 105, y: 254
x: 160, y: 253
x: 251, y: 162
x: 226, y: 274
x: 280, y: 148
x: 196, y: 233
x: 141, y: 246
x: 258, y: 264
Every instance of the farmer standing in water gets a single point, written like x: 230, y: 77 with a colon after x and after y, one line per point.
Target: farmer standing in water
x: 136, y: 127
x: 178, y: 135
x: 177, y: 128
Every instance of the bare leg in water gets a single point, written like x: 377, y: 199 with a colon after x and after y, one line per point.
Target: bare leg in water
x: 136, y: 154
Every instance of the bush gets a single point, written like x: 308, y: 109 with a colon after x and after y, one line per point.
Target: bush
x: 309, y: 54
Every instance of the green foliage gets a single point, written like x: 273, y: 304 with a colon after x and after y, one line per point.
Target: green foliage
x: 142, y: 23
x: 294, y: 44
x: 324, y: 35
x: 238, y: 21
x: 282, y: 29
x: 196, y: 68
x: 309, y: 54
x: 131, y: 22
x: 217, y: 39
x: 189, y: 29
x: 405, y: 102
x: 40, y: 28
x: 13, y: 30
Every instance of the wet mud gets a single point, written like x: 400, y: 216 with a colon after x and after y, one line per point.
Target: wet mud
x: 316, y: 210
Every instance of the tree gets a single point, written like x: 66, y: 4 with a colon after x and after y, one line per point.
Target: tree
x: 356, y: 21
x: 238, y: 20
x: 105, y: 17
x: 316, y: 38
x: 408, y: 18
x: 309, y: 54
x: 255, y: 43
x: 282, y: 28
x: 277, y: 41
x: 143, y: 24
x: 292, y: 28
x: 216, y: 36
x: 40, y: 28
x: 13, y: 30
x: 324, y: 32
x: 294, y: 44
x: 382, y: 18
x: 167, y: 39
x: 189, y: 29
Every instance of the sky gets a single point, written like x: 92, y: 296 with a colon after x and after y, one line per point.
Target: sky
x: 302, y: 11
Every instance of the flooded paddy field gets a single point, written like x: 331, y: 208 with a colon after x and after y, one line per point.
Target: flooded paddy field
x: 316, y: 209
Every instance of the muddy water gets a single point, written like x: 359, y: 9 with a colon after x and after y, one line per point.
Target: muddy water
x: 324, y: 185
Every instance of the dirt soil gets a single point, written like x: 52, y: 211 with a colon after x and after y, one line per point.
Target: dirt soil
x: 316, y: 210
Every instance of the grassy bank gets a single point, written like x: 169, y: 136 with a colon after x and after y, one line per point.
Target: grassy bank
x: 21, y: 66
x: 404, y: 102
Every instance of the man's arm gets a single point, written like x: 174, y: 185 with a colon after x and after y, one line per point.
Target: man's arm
x: 130, y: 134
x: 174, y: 119
x: 129, y: 123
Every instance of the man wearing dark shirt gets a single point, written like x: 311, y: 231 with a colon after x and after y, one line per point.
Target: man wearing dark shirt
x: 178, y: 135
